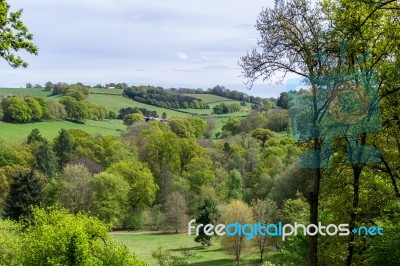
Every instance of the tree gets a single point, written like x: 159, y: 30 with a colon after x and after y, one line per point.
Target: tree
x: 236, y: 212
x: 26, y: 190
x: 164, y: 115
x: 232, y: 126
x: 175, y: 211
x: 15, y: 109
x: 292, y: 35
x: 283, y: 100
x: 45, y: 159
x: 265, y: 211
x: 208, y: 214
x: 35, y: 136
x: 235, y: 185
x: 75, y: 109
x: 29, y: 85
x: 76, y: 187
x: 14, y: 37
x: 133, y: 118
x: 57, y: 237
x: 64, y: 146
x: 263, y: 135
x: 36, y: 109
x: 142, y: 187
x: 199, y: 172
x: 49, y: 86
x: 110, y: 196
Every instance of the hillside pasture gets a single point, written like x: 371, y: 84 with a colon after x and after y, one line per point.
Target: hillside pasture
x: 116, y: 102
x: 4, y: 92
x: 106, y: 91
x: 18, y: 132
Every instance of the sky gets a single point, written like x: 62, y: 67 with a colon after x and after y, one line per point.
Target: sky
x: 169, y: 43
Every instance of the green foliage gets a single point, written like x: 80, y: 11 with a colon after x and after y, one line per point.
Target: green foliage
x: 9, y: 243
x: 26, y: 189
x: 56, y: 237
x: 263, y: 135
x: 208, y: 214
x: 142, y: 187
x: 110, y: 196
x: 45, y: 159
x: 199, y: 172
x: 239, y: 212
x: 35, y: 136
x: 132, y: 118
x: 76, y: 187
x: 165, y: 258
x: 159, y: 97
x: 15, y: 109
x: 14, y: 36
x: 232, y: 126
x: 64, y: 146
x: 235, y: 185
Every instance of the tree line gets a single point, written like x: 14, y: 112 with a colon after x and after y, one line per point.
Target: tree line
x: 161, y: 97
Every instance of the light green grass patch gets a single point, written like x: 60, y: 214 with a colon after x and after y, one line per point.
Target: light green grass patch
x: 144, y: 243
x: 49, y: 129
x: 107, y: 91
x: 24, y: 92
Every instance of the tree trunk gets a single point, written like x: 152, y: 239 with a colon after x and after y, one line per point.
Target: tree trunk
x: 353, y: 214
x: 313, y: 246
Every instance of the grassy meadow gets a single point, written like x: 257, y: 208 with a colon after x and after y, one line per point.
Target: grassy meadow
x: 18, y: 132
x: 139, y: 242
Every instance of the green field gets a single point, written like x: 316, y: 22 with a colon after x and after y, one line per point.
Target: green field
x: 18, y: 132
x: 24, y: 92
x: 209, y: 98
x: 106, y: 91
x: 144, y: 243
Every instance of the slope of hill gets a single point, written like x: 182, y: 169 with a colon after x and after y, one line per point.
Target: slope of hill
x: 49, y: 129
x: 210, y: 98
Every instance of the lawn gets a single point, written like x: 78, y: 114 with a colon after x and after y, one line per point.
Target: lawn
x: 18, y: 132
x: 144, y: 243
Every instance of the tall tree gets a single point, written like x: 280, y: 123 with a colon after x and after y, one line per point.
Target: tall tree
x: 26, y: 190
x: 208, y: 214
x: 76, y: 188
x: 176, y: 211
x: 236, y: 212
x: 291, y: 36
x: 64, y: 147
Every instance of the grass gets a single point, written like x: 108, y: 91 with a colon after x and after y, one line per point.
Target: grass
x: 24, y: 92
x: 107, y: 91
x: 144, y: 243
x: 18, y: 132
x: 116, y: 102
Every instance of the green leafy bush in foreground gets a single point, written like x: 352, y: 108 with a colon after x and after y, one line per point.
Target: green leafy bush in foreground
x: 57, y: 237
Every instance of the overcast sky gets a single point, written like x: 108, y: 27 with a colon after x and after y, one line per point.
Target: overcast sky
x: 172, y: 43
